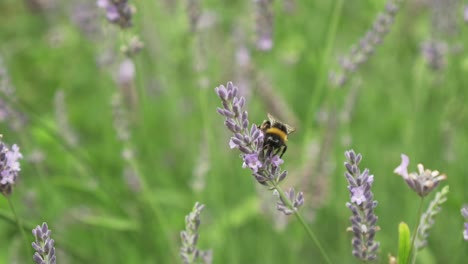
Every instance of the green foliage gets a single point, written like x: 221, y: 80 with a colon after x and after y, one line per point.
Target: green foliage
x: 404, y: 243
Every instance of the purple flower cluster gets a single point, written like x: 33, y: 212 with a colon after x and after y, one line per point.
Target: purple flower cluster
x: 189, y: 252
x: 44, y: 245
x: 361, y: 53
x: 423, y: 181
x: 9, y: 167
x: 464, y: 212
x: 435, y: 54
x: 362, y: 205
x: 118, y: 12
x: 265, y: 168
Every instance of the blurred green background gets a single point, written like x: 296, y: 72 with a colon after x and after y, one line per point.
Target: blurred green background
x: 117, y: 199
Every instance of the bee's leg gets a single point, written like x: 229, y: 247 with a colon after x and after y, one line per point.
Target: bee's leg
x: 284, y: 150
x: 269, y: 150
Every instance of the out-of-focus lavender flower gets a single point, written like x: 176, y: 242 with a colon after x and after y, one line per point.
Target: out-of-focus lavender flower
x: 126, y: 73
x: 44, y: 245
x: 85, y: 16
x: 428, y: 218
x: 9, y: 167
x: 133, y: 47
x: 189, y: 251
x: 435, y: 54
x: 363, y: 220
x: 444, y: 22
x: 465, y: 13
x: 194, y: 13
x: 264, y: 24
x: 423, y: 181
x: 289, y: 6
x: 265, y: 169
x: 361, y: 52
x: 464, y: 212
x: 118, y: 12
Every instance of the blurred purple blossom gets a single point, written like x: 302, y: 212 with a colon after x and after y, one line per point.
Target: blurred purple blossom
x: 118, y: 12
x: 9, y: 167
x: 464, y: 212
x: 364, y: 49
x: 126, y: 73
x: 264, y: 24
x: 435, y: 54
x: 465, y: 13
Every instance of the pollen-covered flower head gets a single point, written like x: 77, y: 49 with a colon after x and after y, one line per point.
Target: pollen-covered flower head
x: 9, y: 167
x: 423, y: 181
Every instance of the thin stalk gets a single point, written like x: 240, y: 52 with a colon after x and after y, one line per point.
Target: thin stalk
x: 303, y: 222
x: 319, y: 84
x: 415, y: 233
x: 20, y: 227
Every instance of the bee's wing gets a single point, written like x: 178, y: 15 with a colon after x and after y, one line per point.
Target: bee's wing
x: 272, y: 119
x: 289, y: 129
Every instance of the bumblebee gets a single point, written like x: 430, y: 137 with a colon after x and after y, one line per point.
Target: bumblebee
x: 275, y: 136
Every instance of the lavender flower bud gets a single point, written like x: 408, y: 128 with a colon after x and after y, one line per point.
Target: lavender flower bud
x: 363, y: 219
x: 44, y: 245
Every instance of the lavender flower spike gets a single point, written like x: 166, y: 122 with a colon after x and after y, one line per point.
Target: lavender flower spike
x: 423, y: 181
x: 464, y: 212
x: 9, y: 167
x: 44, y: 245
x: 265, y: 168
x: 189, y: 251
x: 363, y: 220
x: 428, y: 218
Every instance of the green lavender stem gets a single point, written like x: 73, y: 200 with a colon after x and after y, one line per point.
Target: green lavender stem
x: 415, y: 233
x: 303, y: 222
x: 20, y: 227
